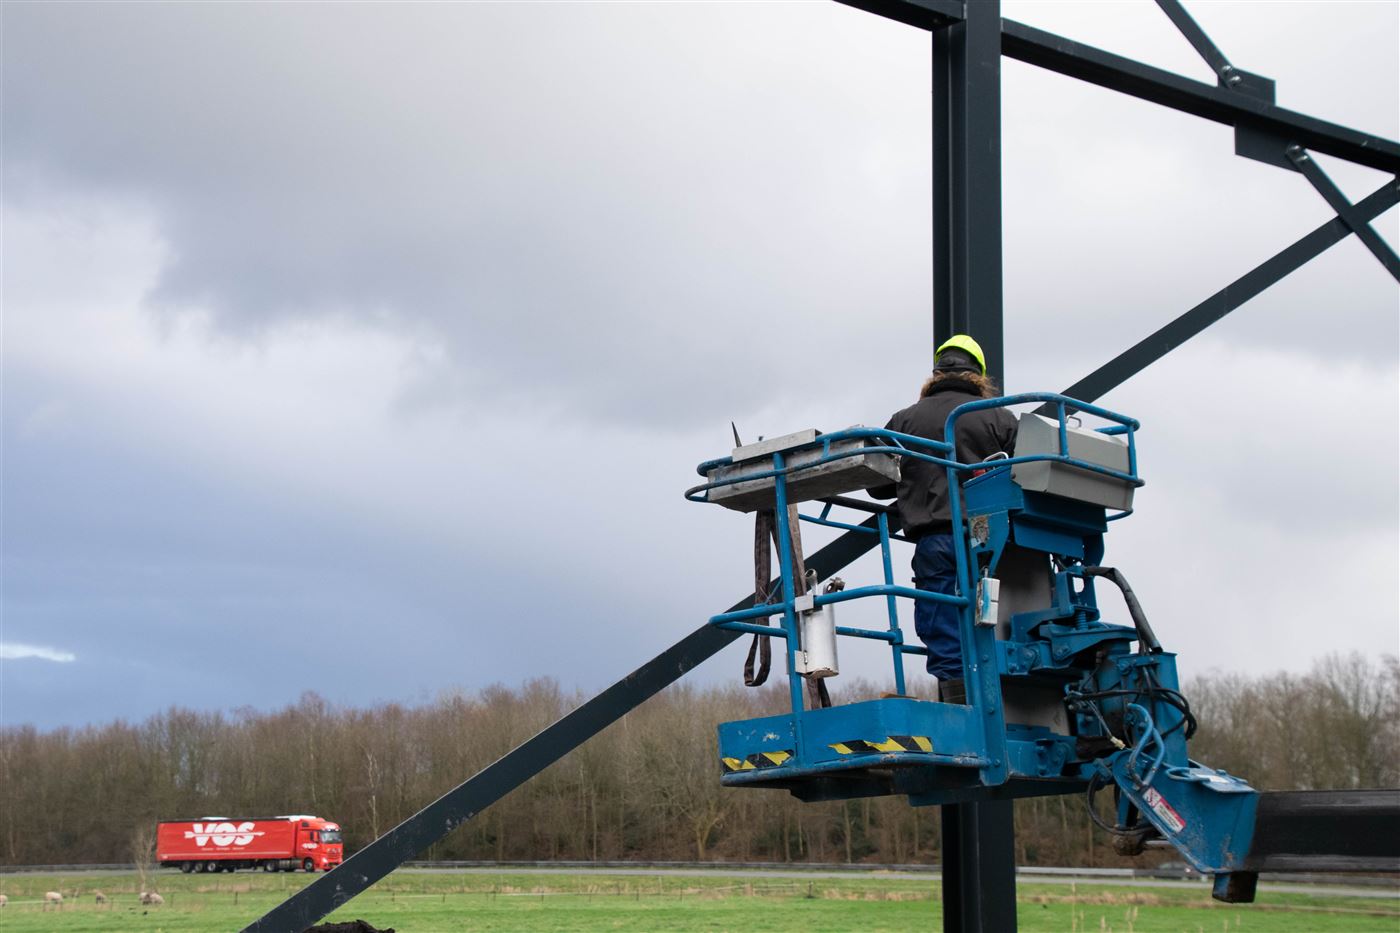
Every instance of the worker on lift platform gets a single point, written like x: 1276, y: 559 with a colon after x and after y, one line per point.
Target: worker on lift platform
x: 1057, y: 699
x: 959, y: 376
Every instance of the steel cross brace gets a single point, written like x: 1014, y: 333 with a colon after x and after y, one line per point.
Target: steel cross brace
x: 1243, y: 100
x: 1167, y: 338
x: 1348, y: 212
x: 1156, y: 85
x: 1297, y: 156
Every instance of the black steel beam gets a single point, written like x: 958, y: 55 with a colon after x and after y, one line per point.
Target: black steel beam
x: 949, y: 301
x: 1345, y: 209
x: 979, y: 867
x: 1076, y: 60
x: 1151, y: 349
x: 1195, y: 35
x: 469, y: 798
x: 979, y: 842
x: 925, y: 14
x: 967, y: 279
x: 1326, y: 830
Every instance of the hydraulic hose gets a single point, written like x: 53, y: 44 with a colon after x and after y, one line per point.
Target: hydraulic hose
x: 1147, y: 639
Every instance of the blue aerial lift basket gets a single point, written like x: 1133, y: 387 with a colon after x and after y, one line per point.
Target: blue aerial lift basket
x: 1057, y: 700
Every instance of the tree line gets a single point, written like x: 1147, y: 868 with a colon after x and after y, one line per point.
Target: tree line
x: 647, y: 788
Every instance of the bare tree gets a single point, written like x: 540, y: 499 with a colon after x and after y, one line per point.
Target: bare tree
x: 143, y: 851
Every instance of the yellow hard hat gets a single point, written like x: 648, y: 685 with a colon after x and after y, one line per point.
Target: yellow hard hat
x: 966, y: 344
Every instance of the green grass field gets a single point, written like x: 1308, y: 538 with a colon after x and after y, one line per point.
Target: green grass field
x: 420, y: 902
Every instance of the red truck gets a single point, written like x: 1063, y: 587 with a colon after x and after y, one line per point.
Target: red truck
x: 274, y: 843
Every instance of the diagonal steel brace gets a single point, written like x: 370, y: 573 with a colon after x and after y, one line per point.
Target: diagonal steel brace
x: 1201, y: 42
x: 517, y: 766
x: 1359, y: 224
x: 1167, y: 338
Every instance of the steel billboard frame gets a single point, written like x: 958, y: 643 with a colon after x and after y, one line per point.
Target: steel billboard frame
x: 968, y: 42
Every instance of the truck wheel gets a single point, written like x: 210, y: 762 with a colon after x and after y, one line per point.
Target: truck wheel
x: 211, y: 866
x: 187, y: 867
x: 308, y: 865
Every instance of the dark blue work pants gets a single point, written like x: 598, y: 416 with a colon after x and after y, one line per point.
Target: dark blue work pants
x: 935, y: 570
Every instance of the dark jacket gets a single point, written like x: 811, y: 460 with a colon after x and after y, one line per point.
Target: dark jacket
x: 923, y: 487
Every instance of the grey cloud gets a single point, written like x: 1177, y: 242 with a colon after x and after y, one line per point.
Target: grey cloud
x: 573, y: 197
x: 616, y: 197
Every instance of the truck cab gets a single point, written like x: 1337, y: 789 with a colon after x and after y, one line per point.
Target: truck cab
x: 319, y: 841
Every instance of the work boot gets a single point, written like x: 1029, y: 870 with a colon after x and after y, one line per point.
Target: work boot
x: 951, y: 691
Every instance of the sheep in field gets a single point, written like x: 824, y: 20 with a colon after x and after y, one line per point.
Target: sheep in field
x: 152, y: 898
x: 100, y: 897
x: 54, y: 898
x: 4, y: 899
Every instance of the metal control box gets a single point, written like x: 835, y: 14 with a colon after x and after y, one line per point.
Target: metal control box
x: 832, y: 478
x: 1037, y: 435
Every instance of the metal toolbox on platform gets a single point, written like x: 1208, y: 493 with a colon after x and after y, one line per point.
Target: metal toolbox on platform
x: 821, y: 479
x: 1038, y: 435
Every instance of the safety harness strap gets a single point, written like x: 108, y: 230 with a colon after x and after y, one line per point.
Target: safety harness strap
x: 765, y: 530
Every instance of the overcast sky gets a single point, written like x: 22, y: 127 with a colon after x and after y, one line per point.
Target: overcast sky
x: 368, y: 348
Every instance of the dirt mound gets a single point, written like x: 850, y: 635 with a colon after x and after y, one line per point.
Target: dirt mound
x: 354, y: 926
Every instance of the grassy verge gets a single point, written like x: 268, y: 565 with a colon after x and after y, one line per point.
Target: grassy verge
x: 416, y: 902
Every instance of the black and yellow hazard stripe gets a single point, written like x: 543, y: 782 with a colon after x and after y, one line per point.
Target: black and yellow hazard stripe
x: 756, y: 761
x: 892, y: 743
